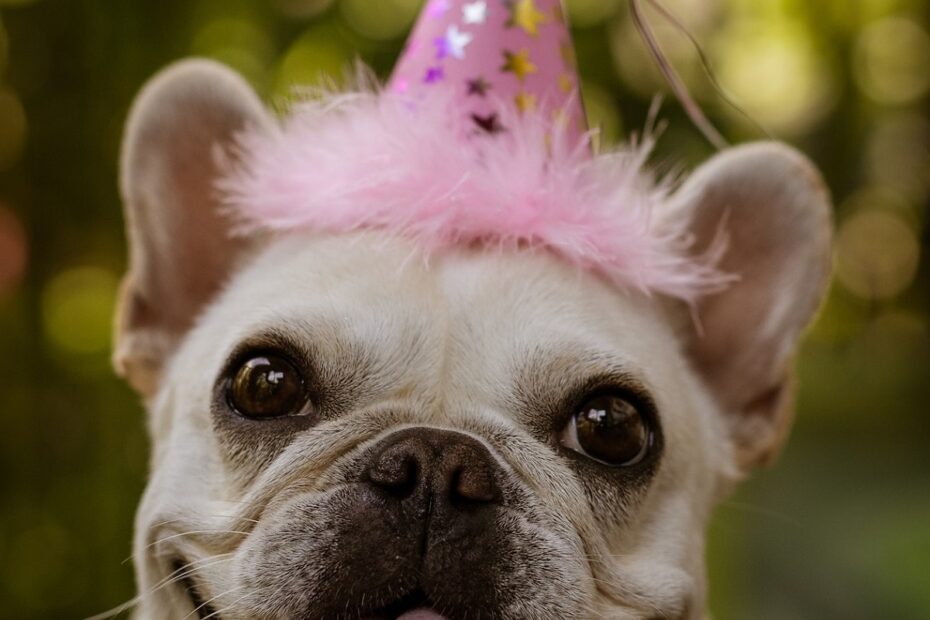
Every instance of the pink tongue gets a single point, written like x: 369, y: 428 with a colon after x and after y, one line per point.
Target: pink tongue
x: 421, y: 614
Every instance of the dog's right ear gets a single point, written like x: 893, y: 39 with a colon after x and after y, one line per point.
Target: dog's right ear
x: 775, y: 210
x: 180, y: 247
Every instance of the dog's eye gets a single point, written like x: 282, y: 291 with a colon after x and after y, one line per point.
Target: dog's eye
x: 610, y: 429
x: 267, y: 386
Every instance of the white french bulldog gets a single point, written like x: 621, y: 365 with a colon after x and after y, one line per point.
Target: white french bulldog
x: 342, y: 432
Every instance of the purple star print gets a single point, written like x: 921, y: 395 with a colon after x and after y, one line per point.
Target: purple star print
x: 433, y: 75
x: 442, y: 47
x: 515, y: 47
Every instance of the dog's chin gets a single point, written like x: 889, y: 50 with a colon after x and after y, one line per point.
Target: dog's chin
x: 415, y: 605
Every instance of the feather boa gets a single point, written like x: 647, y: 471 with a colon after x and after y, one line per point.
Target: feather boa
x: 375, y: 160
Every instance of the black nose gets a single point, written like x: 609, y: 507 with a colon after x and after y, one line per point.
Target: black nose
x: 427, y: 521
x: 450, y: 468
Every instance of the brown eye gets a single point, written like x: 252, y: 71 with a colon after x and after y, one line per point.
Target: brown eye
x: 267, y: 386
x: 610, y: 429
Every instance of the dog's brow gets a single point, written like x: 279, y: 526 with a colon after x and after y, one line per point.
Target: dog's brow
x: 546, y: 378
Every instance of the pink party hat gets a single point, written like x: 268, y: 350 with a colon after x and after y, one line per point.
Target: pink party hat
x: 492, y: 52
x: 405, y: 160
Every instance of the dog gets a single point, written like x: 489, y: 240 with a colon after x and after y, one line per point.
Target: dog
x: 342, y: 428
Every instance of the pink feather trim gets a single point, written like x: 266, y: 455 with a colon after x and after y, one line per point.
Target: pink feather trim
x: 371, y: 160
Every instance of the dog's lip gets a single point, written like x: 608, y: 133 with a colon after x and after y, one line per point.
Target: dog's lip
x: 422, y: 614
x: 201, y: 607
x: 415, y: 605
x: 416, y: 614
x: 411, y: 606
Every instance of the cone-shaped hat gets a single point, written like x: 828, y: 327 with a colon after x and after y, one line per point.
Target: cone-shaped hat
x: 393, y: 159
x: 485, y: 53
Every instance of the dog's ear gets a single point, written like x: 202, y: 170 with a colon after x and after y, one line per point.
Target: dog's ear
x: 181, y: 250
x: 775, y: 210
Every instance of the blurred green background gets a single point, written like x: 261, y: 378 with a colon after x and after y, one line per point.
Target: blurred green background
x: 839, y: 529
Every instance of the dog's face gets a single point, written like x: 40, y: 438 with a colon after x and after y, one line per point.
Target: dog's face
x: 345, y: 429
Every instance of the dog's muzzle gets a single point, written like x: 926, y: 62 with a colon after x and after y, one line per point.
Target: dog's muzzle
x: 439, y: 490
x: 414, y: 533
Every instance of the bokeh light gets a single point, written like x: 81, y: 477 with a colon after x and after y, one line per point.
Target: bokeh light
x: 602, y: 115
x: 29, y: 58
x: 4, y: 47
x: 772, y: 70
x: 586, y: 13
x: 239, y: 43
x: 845, y: 81
x: 695, y: 15
x: 385, y: 19
x: 13, y: 128
x: 77, y: 310
x: 302, y: 8
x: 13, y: 251
x: 892, y: 61
x: 318, y: 57
x: 636, y: 66
x: 877, y: 254
x: 868, y: 11
x: 897, y: 154
x: 880, y: 196
x: 45, y: 538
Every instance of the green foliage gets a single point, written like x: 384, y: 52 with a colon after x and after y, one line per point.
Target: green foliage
x: 839, y: 529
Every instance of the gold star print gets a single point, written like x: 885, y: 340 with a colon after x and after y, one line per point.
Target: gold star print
x: 568, y: 55
x: 525, y: 101
x: 565, y: 83
x: 519, y: 64
x: 526, y: 15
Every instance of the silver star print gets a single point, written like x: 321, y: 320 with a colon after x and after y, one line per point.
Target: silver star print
x: 456, y: 41
x: 475, y: 12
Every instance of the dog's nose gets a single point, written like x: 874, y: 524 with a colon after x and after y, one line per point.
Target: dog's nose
x: 450, y: 467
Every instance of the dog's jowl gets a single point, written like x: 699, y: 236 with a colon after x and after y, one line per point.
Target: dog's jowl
x: 401, y: 366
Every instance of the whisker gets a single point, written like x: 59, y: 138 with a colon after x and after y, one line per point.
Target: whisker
x: 762, y: 511
x: 228, y: 607
x: 173, y: 577
x: 112, y: 613
x: 192, y: 533
x: 182, y: 534
x: 207, y: 602
x: 186, y: 571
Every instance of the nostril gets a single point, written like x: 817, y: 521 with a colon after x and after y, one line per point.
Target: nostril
x: 439, y: 466
x: 473, y: 484
x: 395, y: 471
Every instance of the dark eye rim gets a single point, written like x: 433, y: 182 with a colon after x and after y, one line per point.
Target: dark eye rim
x: 634, y: 393
x: 267, y: 347
x: 230, y: 380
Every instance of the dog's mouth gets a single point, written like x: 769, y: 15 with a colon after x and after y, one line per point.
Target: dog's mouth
x: 412, y: 606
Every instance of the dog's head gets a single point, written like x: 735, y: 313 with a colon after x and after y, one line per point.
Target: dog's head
x: 344, y: 429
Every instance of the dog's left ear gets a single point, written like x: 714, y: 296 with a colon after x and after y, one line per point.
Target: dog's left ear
x: 772, y: 205
x: 181, y: 249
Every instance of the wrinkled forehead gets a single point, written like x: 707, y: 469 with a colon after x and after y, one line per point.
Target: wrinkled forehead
x: 465, y: 310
